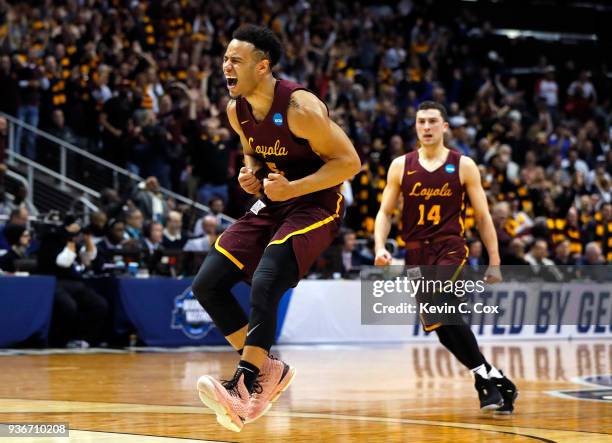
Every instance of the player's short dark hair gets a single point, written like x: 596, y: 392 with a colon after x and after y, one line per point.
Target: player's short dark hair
x: 263, y: 39
x: 434, y: 105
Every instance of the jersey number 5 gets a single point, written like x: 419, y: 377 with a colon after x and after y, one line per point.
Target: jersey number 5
x: 433, y: 215
x: 273, y: 168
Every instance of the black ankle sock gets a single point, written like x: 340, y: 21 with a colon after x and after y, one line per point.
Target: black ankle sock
x: 488, y: 366
x: 250, y: 372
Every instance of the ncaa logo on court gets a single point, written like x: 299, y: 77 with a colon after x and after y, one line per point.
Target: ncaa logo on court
x: 278, y: 119
x: 189, y: 316
x: 449, y: 168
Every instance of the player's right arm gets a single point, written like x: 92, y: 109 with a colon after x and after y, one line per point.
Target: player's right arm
x: 470, y: 176
x: 246, y: 177
x: 383, y: 222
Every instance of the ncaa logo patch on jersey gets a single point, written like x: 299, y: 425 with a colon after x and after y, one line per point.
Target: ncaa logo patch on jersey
x: 277, y: 119
x: 449, y: 168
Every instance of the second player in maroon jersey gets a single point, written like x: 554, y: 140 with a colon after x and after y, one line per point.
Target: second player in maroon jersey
x: 432, y: 182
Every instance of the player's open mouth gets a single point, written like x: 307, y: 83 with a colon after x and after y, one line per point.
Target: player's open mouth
x: 231, y: 82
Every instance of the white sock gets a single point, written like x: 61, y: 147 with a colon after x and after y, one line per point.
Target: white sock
x: 494, y: 373
x: 480, y: 370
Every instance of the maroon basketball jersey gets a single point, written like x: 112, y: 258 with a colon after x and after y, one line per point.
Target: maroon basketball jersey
x: 433, y: 201
x: 272, y: 141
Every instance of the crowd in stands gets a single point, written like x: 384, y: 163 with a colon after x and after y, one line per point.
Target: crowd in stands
x: 139, y: 234
x: 140, y: 84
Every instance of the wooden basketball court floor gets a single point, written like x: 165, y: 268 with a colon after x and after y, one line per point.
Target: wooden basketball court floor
x: 391, y: 393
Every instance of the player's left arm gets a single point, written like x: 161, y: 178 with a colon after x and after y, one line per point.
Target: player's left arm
x: 308, y: 119
x: 470, y: 177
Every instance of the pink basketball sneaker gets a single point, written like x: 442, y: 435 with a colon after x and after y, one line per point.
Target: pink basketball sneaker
x: 230, y: 400
x: 274, y: 378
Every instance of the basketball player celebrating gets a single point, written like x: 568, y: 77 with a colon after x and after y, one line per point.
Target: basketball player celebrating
x: 432, y: 182
x: 297, y: 157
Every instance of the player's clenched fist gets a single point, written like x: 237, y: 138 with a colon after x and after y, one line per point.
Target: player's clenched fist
x: 278, y: 188
x: 383, y: 258
x: 248, y: 181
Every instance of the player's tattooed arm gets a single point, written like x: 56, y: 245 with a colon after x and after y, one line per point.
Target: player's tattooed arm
x: 293, y: 103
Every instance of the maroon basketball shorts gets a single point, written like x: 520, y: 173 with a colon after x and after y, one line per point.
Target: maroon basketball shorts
x: 440, y: 262
x: 310, y: 222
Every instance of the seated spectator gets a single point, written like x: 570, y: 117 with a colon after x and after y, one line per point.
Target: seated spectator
x: 515, y: 254
x: 19, y: 239
x: 345, y: 259
x: 565, y: 260
x: 541, y: 266
x: 18, y: 216
x: 133, y: 224
x: 152, y: 237
x: 204, y: 242
x: 217, y: 208
x: 113, y: 247
x: 174, y: 239
x: 592, y: 265
x: 151, y: 245
x: 476, y: 258
x: 79, y: 313
x: 517, y: 267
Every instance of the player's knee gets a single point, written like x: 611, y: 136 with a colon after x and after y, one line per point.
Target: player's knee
x: 205, y: 287
x: 262, y: 289
x: 267, y: 288
x: 213, y: 279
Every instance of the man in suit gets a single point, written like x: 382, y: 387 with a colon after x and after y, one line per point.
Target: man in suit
x: 150, y: 201
x: 345, y: 258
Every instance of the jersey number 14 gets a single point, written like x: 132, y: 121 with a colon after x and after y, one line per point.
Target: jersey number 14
x: 433, y: 215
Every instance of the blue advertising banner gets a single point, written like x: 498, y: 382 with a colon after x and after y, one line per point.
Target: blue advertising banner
x: 25, y: 308
x: 166, y: 313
